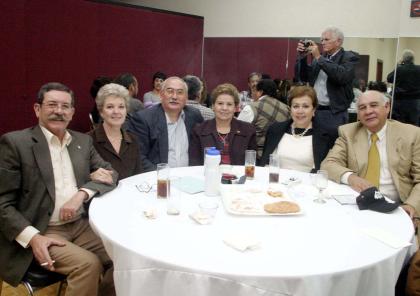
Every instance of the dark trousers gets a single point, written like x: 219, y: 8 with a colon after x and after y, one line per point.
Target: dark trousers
x: 407, y: 111
x: 328, y: 120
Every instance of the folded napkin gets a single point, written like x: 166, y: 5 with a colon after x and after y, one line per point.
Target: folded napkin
x: 385, y: 237
x: 189, y: 185
x: 241, y: 241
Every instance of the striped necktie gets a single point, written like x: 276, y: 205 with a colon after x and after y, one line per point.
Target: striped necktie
x: 374, y: 162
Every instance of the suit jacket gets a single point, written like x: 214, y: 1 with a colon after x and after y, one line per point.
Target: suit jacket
x: 27, y: 190
x: 340, y: 72
x: 242, y: 137
x: 322, y: 141
x: 127, y: 162
x: 350, y: 154
x: 150, y: 127
x: 407, y: 81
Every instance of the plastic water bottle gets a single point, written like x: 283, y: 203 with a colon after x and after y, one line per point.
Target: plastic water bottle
x: 211, y: 172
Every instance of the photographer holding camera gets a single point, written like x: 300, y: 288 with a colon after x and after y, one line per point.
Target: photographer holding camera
x: 331, y: 74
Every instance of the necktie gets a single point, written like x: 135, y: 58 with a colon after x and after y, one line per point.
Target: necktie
x: 374, y: 162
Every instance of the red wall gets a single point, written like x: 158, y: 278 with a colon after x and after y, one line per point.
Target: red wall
x: 73, y: 41
x: 232, y: 59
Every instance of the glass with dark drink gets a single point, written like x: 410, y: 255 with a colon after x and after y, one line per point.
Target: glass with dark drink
x: 250, y: 158
x: 274, y: 169
x: 163, y: 183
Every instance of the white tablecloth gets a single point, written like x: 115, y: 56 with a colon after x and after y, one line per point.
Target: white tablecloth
x: 325, y: 251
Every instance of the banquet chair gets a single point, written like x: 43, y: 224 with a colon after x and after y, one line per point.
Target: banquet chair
x: 37, y: 277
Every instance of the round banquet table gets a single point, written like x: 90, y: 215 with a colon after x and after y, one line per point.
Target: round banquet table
x: 323, y: 251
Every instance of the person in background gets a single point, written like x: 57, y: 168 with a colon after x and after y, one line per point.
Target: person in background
x: 164, y: 130
x: 152, y: 97
x: 97, y: 83
x: 330, y: 73
x: 407, y: 89
x: 229, y: 135
x: 246, y: 97
x: 129, y: 81
x: 47, y: 174
x: 264, y: 111
x: 195, y: 87
x: 298, y: 142
x: 118, y: 147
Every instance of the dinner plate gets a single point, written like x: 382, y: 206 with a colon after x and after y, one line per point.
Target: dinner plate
x: 249, y: 200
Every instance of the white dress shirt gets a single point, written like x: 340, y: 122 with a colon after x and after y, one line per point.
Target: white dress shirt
x: 386, y: 184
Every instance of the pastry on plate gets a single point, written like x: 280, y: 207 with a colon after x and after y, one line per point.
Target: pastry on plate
x: 282, y: 207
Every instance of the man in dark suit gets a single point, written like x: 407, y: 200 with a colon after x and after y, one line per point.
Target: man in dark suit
x: 47, y: 173
x: 407, y: 90
x: 331, y: 74
x: 164, y: 130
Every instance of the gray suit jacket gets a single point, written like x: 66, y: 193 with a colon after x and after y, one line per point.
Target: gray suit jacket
x: 27, y: 190
x: 151, y: 128
x: 350, y: 153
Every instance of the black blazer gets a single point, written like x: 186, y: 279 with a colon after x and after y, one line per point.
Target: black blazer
x: 340, y: 72
x: 242, y: 137
x: 322, y: 141
x: 127, y: 162
x: 150, y: 127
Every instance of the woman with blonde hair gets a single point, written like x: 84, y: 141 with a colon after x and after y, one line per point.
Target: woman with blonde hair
x: 118, y: 147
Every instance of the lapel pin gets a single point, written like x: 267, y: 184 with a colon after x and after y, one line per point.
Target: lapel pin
x: 78, y: 147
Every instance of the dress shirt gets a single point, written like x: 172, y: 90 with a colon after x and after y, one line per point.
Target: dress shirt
x: 245, y: 99
x: 247, y: 114
x: 320, y: 85
x: 386, y: 185
x: 207, y: 113
x: 64, y: 183
x: 177, y: 142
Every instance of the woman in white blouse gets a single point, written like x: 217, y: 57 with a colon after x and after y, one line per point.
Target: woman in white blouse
x: 299, y: 143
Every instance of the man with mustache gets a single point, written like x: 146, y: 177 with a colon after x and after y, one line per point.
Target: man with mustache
x: 47, y: 174
x: 164, y: 130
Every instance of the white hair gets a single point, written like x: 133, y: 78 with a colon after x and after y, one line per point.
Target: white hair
x: 337, y: 33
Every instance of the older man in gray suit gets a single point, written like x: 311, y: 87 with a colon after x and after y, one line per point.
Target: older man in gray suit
x: 164, y: 130
x: 47, y: 173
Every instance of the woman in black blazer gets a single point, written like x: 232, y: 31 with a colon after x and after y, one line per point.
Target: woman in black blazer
x: 299, y: 143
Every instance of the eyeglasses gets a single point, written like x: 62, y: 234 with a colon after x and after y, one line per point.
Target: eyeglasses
x: 55, y: 106
x: 172, y: 91
x: 146, y: 187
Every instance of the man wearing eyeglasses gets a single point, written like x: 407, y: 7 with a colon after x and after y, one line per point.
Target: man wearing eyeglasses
x: 47, y: 173
x: 330, y: 73
x: 164, y: 129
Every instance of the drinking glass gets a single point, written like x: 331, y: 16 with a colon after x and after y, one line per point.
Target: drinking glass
x: 250, y: 158
x: 321, y: 182
x: 163, y: 182
x: 273, y: 169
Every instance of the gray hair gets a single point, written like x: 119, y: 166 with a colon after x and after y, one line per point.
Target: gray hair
x: 408, y: 56
x: 386, y: 98
x: 194, y: 86
x: 337, y: 33
x: 174, y: 78
x: 112, y: 89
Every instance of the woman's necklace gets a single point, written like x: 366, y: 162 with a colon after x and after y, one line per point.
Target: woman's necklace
x: 301, y: 134
x: 223, y: 138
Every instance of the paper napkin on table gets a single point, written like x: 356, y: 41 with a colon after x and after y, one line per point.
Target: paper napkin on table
x: 385, y: 237
x: 241, y: 241
x: 189, y: 185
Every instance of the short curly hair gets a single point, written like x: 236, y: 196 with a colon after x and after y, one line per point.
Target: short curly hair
x: 112, y: 89
x: 227, y: 89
